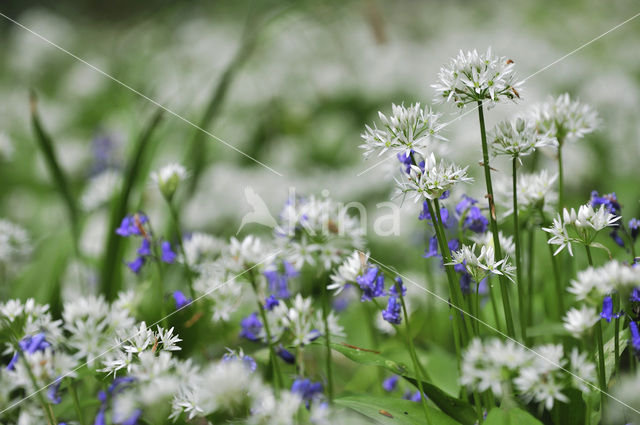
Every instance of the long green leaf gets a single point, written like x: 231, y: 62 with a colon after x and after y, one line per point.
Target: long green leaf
x: 454, y: 407
x: 111, y: 277
x: 46, y: 145
x: 387, y: 410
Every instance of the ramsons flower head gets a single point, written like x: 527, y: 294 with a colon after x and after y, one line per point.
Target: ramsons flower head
x: 472, y: 77
x: 168, y: 178
x: 407, y: 129
x: 563, y: 119
x: 432, y: 180
x: 481, y: 266
x: 518, y: 138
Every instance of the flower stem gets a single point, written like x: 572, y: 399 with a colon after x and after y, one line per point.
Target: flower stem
x: 47, y: 411
x: 494, y: 306
x: 76, y: 402
x: 176, y: 219
x: 327, y: 340
x: 504, y: 288
x: 589, y: 255
x: 516, y: 235
x: 601, y: 371
x: 277, y: 376
x: 530, y: 258
x: 414, y: 357
x: 560, y: 178
x: 558, y: 283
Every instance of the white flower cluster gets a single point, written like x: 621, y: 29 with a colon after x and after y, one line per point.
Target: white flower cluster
x: 507, y: 244
x: 216, y: 284
x: 314, y: 230
x: 594, y: 283
x: 584, y: 226
x: 535, y: 375
x: 472, y: 77
x: 406, y: 129
x: 564, y: 119
x: 353, y: 266
x: 15, y: 246
x: 481, y: 266
x: 432, y: 181
x: 299, y: 322
x: 580, y: 321
x: 101, y: 189
x: 518, y: 138
x: 200, y: 247
x: 537, y: 190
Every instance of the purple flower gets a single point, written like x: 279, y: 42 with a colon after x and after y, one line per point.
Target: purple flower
x: 635, y: 295
x: 464, y: 204
x: 634, y: 228
x: 251, y: 327
x: 133, y: 419
x: 408, y: 395
x: 406, y: 160
x: 392, y: 313
x: 475, y: 221
x: 371, y: 283
x: 136, y: 264
x: 53, y: 392
x: 616, y: 238
x: 31, y: 344
x: 394, y: 291
x: 168, y: 256
x: 306, y: 389
x: 454, y: 245
x: 129, y: 225
x: 432, y: 250
x: 180, y: 299
x: 424, y: 214
x: 145, y: 247
x: 391, y: 383
x: 635, y: 336
x: 248, y: 361
x: 445, y: 195
x: 465, y: 283
x: 610, y: 202
x: 285, y: 354
x: 313, y: 335
x: 607, y: 309
x: 270, y: 302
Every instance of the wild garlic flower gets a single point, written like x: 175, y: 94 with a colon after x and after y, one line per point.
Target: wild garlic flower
x: 534, y: 375
x: 168, y: 179
x: 314, y: 230
x: 486, y: 239
x: 537, y: 190
x: 347, y: 272
x: 406, y: 129
x: 592, y: 284
x: 564, y: 119
x: 580, y: 321
x: 217, y: 285
x: 472, y: 77
x: 432, y: 180
x: 584, y: 226
x: 517, y: 138
x: 248, y: 253
x: 15, y: 246
x: 201, y: 247
x: 101, y: 189
x: 483, y: 265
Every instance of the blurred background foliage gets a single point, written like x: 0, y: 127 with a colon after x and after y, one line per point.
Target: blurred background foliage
x: 292, y: 84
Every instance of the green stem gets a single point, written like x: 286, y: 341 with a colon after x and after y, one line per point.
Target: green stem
x: 516, y: 233
x: 277, y: 376
x: 414, y: 357
x: 558, y: 283
x: 373, y: 335
x: 494, y: 303
x: 76, y: 402
x: 616, y: 336
x: 601, y: 371
x: 176, y: 219
x: 560, y: 178
x: 327, y: 340
x: 47, y: 411
x: 530, y: 258
x: 477, y: 307
x: 504, y: 288
x: 589, y: 255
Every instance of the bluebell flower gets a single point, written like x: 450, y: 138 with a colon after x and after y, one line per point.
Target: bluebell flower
x: 248, y: 361
x: 306, y: 389
x: 391, y: 383
x: 475, y: 221
x: 424, y: 214
x: 129, y: 227
x: 432, y: 250
x: 635, y: 337
x: 117, y: 386
x: 445, y: 195
x: 610, y: 202
x: 465, y: 283
x: 313, y: 335
x: 607, y: 309
x: 392, y: 313
x: 635, y: 295
x: 13, y: 361
x: 406, y: 160
x: 251, y: 327
x: 460, y: 268
x: 180, y: 299
x: 340, y: 303
x: 393, y: 290
x: 454, y: 245
x: 371, y: 283
x: 136, y: 264
x: 616, y: 238
x: 145, y: 247
x: 634, y: 228
x: 285, y: 354
x: 29, y: 345
x: 448, y: 220
x: 167, y: 255
x: 412, y: 396
x: 465, y: 203
x: 53, y: 392
x: 270, y: 302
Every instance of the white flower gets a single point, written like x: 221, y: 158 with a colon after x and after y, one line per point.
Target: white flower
x: 201, y: 246
x: 168, y: 178
x: 352, y: 267
x: 15, y: 247
x: 406, y: 129
x: 472, y: 77
x: 480, y: 266
x: 580, y: 321
x: 594, y: 283
x: 434, y: 180
x: 101, y: 189
x: 248, y: 252
x: 168, y: 340
x: 215, y: 283
x: 563, y: 119
x: 583, y: 369
x: 518, y: 138
x: 507, y: 244
x: 537, y: 190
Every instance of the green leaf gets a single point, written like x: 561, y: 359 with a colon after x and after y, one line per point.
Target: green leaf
x: 513, y: 416
x: 110, y: 276
x: 454, y: 407
x: 387, y: 410
x: 547, y: 329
